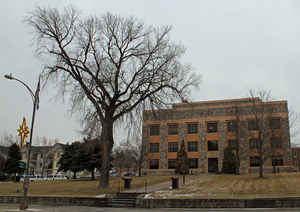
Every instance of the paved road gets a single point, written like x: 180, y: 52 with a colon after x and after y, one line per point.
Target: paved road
x: 93, y: 209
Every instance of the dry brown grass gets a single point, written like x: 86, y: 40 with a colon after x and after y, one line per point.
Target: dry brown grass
x: 76, y: 187
x: 197, y: 186
x: 232, y: 186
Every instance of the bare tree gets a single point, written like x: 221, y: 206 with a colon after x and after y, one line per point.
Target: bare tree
x: 8, y: 139
x: 44, y: 141
x: 294, y: 125
x: 112, y: 67
x: 124, y: 158
x: 261, y: 112
x: 130, y: 155
x: 140, y: 154
x: 235, y: 126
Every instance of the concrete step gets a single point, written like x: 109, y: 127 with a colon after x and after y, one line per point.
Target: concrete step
x: 122, y: 204
x: 124, y: 200
x: 132, y: 195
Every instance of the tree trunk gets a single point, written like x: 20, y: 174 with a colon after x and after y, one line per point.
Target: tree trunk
x: 261, y: 162
x: 261, y: 157
x: 140, y: 165
x: 74, y: 175
x: 106, y: 142
x: 261, y: 168
x: 261, y: 172
x: 238, y: 129
x: 93, y: 174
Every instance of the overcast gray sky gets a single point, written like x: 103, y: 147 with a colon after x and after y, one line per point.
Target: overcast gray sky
x: 236, y: 45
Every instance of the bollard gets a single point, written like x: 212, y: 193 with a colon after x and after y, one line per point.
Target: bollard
x: 127, y: 183
x: 175, y: 183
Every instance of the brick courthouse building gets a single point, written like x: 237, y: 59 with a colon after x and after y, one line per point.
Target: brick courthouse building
x: 208, y: 127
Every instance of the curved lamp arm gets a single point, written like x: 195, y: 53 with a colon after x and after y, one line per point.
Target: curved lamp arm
x: 10, y: 77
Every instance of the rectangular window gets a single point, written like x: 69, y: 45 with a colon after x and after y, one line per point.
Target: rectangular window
x: 252, y: 124
x: 154, y: 130
x: 193, y: 163
x: 232, y: 126
x: 232, y: 144
x: 254, y: 161
x: 275, y: 123
x: 154, y: 164
x: 275, y: 142
x: 212, y: 127
x: 171, y: 163
x: 192, y: 128
x: 154, y: 147
x: 172, y: 147
x: 254, y: 143
x: 277, y: 161
x: 193, y: 146
x: 173, y: 129
x: 34, y: 156
x: 212, y: 145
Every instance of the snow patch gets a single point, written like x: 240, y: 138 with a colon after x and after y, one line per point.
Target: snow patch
x: 147, y: 196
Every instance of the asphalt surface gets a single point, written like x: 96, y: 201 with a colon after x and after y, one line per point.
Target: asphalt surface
x: 7, y: 207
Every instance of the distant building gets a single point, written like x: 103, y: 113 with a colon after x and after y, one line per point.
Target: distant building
x: 208, y: 127
x: 43, y: 160
x: 3, y: 151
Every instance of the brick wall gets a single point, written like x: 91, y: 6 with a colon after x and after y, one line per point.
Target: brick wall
x: 220, y: 111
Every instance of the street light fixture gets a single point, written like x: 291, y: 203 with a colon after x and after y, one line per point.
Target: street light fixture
x: 35, y: 99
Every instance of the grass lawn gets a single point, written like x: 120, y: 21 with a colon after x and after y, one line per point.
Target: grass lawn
x: 76, y: 187
x: 197, y: 186
x: 236, y: 186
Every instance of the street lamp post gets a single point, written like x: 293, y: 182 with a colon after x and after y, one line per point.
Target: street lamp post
x: 35, y: 99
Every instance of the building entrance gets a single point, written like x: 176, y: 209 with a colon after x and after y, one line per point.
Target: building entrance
x: 213, y: 165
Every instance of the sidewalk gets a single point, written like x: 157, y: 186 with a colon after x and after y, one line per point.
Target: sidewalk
x: 94, y: 209
x: 7, y: 207
x: 157, y: 187
x: 163, y: 186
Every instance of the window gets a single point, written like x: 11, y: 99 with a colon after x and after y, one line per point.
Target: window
x: 254, y: 143
x: 277, y: 161
x: 193, y: 163
x: 254, y: 161
x: 192, y: 128
x: 154, y: 147
x: 193, y: 146
x: 172, y: 147
x: 275, y: 142
x: 231, y: 126
x: 252, y: 124
x: 275, y: 123
x: 171, y: 163
x: 34, y: 156
x: 212, y: 127
x: 232, y: 144
x: 173, y: 129
x: 154, y: 164
x: 154, y: 130
x: 212, y: 145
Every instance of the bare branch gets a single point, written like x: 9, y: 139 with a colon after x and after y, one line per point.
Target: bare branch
x: 112, y: 67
